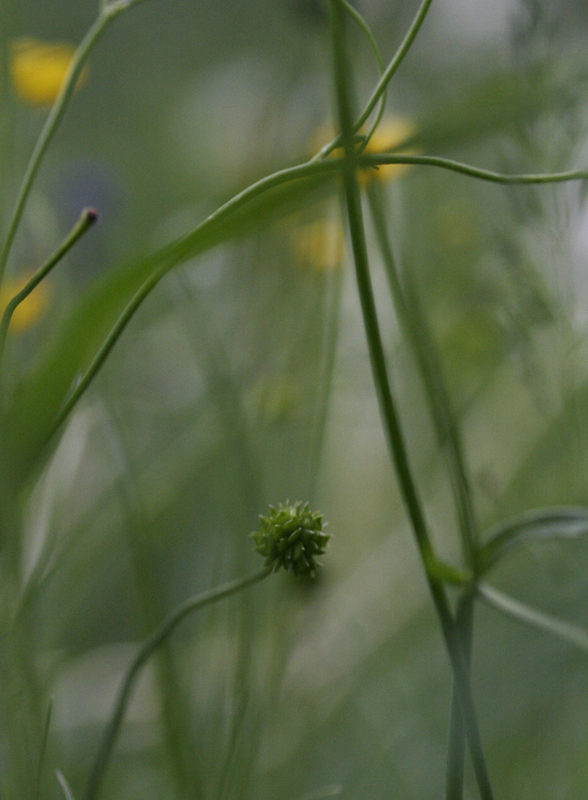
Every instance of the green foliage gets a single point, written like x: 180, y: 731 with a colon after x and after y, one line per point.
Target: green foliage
x: 203, y: 366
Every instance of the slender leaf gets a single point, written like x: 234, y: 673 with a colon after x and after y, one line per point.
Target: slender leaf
x: 64, y: 785
x: 533, y: 617
x: 30, y: 415
x: 534, y: 526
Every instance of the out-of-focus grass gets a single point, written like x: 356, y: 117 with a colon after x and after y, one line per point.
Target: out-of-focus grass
x: 213, y: 403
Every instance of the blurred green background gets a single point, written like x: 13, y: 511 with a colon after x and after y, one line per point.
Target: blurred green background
x: 244, y: 380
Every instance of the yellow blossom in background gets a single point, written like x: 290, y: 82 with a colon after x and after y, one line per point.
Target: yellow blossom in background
x: 318, y: 244
x: 275, y: 400
x: 389, y: 136
x: 29, y: 311
x: 38, y: 69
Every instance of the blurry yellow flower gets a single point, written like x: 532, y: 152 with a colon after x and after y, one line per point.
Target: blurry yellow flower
x: 29, y: 310
x: 276, y: 400
x: 38, y: 70
x: 318, y: 244
x: 388, y: 137
x: 456, y: 224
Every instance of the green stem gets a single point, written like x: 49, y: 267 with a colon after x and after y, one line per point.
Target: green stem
x: 414, y: 328
x: 388, y: 411
x: 43, y: 750
x: 394, y: 64
x: 172, y: 255
x: 173, y: 703
x: 531, y: 616
x: 50, y: 127
x: 325, y: 381
x: 107, y: 12
x: 157, y: 638
x: 67, y: 792
x: 382, y: 84
x: 377, y: 159
x: 104, y: 351
x: 380, y: 62
x: 464, y: 622
x: 86, y: 220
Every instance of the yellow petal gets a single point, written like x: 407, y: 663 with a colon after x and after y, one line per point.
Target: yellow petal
x: 389, y: 136
x: 318, y: 244
x: 38, y: 69
x: 30, y: 309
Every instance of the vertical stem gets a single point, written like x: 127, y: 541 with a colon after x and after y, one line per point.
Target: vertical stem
x: 387, y: 408
x: 414, y: 328
x: 456, y: 737
x: 326, y: 381
x: 43, y: 750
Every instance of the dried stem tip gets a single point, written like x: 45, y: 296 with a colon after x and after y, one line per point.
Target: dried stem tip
x: 292, y: 537
x: 90, y: 215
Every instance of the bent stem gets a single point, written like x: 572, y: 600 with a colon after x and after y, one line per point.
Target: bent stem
x: 387, y: 407
x: 379, y: 159
x: 171, y: 255
x: 394, y: 64
x: 157, y: 638
x: 387, y: 75
x: 49, y: 128
x: 380, y: 62
x: 107, y: 12
x: 174, y: 253
x: 532, y: 617
x: 86, y: 220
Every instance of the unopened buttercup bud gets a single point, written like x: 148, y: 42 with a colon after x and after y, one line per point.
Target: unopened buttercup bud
x: 292, y: 537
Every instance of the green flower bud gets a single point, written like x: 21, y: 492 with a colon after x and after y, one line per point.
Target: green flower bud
x: 292, y: 537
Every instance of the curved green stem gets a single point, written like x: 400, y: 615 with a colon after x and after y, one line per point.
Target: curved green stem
x: 354, y: 13
x: 104, y: 351
x: 171, y: 255
x: 145, y: 652
x: 387, y: 76
x: 377, y: 159
x: 394, y: 64
x: 531, y: 616
x: 86, y: 220
x: 313, y: 168
x: 106, y: 14
x: 390, y: 417
x: 67, y: 792
x: 49, y: 128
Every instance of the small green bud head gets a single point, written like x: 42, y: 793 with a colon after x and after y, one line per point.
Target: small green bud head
x: 292, y: 537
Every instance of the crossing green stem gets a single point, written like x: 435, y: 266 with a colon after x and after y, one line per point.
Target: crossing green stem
x: 390, y: 418
x: 86, y: 220
x: 157, y: 638
x: 377, y: 159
